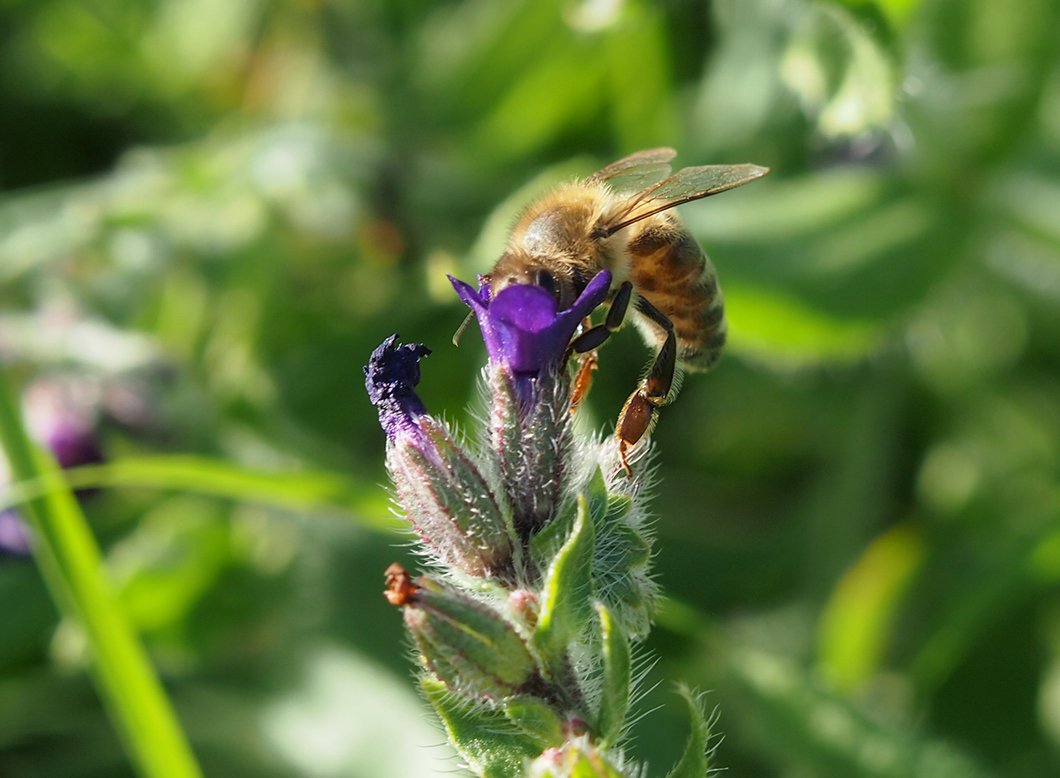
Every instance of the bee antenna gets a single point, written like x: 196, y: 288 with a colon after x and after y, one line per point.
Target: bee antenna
x: 460, y: 330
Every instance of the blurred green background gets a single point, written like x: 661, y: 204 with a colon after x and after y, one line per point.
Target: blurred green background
x: 210, y: 213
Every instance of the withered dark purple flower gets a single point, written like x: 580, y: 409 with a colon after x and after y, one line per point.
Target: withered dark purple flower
x: 522, y: 325
x: 391, y: 377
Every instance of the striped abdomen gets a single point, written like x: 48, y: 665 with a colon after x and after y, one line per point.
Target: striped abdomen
x: 670, y: 270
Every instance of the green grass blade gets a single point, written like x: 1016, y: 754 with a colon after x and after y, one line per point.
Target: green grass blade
x: 72, y: 567
x: 299, y: 490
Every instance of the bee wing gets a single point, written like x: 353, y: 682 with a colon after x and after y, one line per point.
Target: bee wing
x: 687, y: 184
x: 639, y: 170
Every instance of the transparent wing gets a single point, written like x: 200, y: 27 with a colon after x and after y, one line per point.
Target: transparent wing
x: 687, y: 184
x: 639, y: 170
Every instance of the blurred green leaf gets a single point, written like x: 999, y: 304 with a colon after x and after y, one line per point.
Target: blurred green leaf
x: 856, y: 622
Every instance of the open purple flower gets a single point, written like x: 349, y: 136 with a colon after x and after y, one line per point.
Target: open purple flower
x: 522, y: 326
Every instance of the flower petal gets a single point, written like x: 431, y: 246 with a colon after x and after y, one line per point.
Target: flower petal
x: 521, y: 325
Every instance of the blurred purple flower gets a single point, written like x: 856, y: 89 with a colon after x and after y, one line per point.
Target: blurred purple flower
x: 14, y: 537
x: 60, y: 421
x: 522, y: 326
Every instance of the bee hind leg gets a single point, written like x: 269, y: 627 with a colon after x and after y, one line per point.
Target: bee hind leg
x: 637, y: 414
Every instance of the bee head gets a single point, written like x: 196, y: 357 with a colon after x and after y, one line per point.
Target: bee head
x: 517, y: 268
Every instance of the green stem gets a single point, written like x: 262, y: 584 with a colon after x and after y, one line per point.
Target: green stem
x: 73, y: 570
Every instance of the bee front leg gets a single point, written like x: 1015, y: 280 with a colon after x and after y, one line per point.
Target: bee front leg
x: 593, y: 338
x: 637, y: 414
x: 616, y: 314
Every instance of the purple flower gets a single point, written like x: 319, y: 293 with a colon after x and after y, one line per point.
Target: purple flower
x: 391, y: 377
x: 60, y: 420
x: 522, y: 325
x: 14, y: 538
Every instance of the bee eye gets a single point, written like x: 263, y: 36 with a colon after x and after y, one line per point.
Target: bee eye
x: 546, y: 281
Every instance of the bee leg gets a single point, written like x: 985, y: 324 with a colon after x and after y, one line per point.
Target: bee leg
x: 592, y: 338
x: 616, y: 314
x: 584, y: 379
x: 637, y: 414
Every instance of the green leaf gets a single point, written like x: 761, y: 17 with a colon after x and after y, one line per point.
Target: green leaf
x: 614, y: 698
x: 71, y: 565
x: 483, y: 736
x: 567, y: 593
x: 694, y: 762
x: 535, y: 719
x: 781, y: 327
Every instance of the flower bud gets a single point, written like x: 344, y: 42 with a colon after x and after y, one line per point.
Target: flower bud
x: 532, y: 443
x: 468, y: 645
x: 575, y: 758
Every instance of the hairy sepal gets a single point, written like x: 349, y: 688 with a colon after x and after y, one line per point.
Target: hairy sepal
x: 531, y: 437
x: 695, y: 761
x: 616, y: 677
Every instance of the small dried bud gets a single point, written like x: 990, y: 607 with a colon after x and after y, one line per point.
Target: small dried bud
x: 469, y: 646
x: 399, y: 587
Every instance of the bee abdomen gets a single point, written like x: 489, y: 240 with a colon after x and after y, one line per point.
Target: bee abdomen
x: 669, y: 269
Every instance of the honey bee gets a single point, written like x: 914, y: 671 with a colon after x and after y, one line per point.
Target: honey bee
x: 620, y: 219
